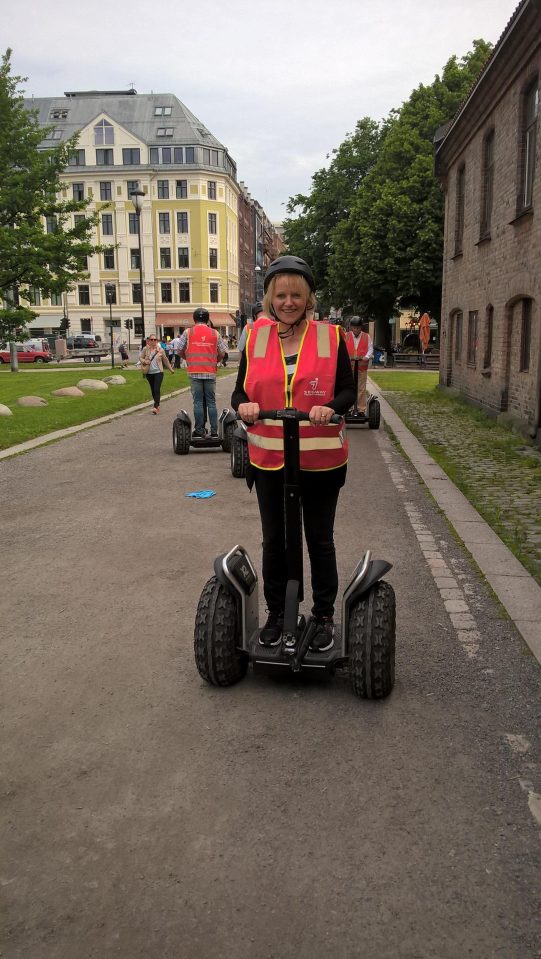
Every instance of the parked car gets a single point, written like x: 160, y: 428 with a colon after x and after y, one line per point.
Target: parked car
x: 26, y: 355
x: 82, y: 341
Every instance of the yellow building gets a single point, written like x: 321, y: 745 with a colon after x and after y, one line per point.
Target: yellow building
x: 189, y: 228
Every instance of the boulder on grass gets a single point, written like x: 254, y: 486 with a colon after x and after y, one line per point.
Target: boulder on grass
x: 115, y: 380
x: 92, y: 385
x: 68, y: 391
x: 5, y: 410
x: 31, y: 401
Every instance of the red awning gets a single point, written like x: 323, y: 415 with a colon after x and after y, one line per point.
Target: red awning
x: 185, y: 319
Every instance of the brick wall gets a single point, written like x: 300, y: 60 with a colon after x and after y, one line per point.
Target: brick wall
x: 502, y: 268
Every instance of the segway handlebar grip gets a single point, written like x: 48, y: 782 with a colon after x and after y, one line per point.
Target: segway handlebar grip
x: 290, y: 413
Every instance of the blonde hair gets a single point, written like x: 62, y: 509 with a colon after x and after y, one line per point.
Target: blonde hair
x: 297, y: 283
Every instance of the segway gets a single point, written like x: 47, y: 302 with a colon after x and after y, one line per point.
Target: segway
x: 354, y: 417
x: 226, y: 636
x: 239, y: 451
x: 184, y: 438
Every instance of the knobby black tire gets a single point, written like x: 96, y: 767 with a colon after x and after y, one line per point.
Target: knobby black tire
x: 228, y: 437
x: 181, y: 438
x: 374, y: 415
x: 372, y: 626
x: 216, y: 635
x: 239, y: 457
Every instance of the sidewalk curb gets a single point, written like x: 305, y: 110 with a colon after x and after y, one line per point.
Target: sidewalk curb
x: 516, y: 590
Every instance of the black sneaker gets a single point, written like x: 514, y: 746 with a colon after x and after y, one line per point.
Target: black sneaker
x: 324, y: 637
x: 271, y: 633
x: 215, y: 435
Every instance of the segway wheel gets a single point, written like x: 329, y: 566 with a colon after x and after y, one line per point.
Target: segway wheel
x: 372, y: 643
x: 216, y: 636
x: 181, y: 437
x: 228, y: 437
x: 239, y: 457
x: 374, y: 415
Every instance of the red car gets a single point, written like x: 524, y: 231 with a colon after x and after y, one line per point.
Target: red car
x: 26, y: 356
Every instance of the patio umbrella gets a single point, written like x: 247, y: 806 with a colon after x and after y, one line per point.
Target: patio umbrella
x: 424, y: 331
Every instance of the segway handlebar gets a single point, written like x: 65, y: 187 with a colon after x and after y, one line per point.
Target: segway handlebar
x: 290, y: 413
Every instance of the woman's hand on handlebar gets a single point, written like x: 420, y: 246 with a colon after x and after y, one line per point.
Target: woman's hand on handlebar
x: 249, y: 412
x: 320, y: 415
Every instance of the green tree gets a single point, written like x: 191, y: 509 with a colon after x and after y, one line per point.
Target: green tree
x: 309, y: 233
x: 30, y: 190
x: 390, y: 248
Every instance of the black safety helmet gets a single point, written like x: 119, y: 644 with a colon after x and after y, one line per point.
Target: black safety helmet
x: 289, y: 264
x: 257, y: 308
x: 355, y: 321
x: 201, y: 315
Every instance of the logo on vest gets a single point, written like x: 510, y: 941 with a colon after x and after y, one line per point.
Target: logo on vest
x: 313, y: 391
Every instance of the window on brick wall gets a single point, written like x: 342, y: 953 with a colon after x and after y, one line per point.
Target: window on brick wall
x: 166, y: 293
x: 135, y: 259
x: 163, y: 223
x: 184, y: 292
x: 182, y: 189
x: 472, y: 337
x: 213, y: 258
x: 78, y: 191
x: 460, y: 187
x: 163, y: 189
x: 106, y: 192
x: 525, y: 335
x: 182, y: 222
x: 213, y: 292
x: 530, y: 109
x: 183, y: 257
x: 165, y: 258
x: 489, y: 333
x: 487, y: 185
x: 458, y: 336
x: 211, y: 189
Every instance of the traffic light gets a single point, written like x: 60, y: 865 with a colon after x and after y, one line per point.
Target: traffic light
x: 128, y: 324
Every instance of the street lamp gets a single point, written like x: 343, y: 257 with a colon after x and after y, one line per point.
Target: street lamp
x: 110, y: 290
x: 137, y: 200
x: 257, y: 282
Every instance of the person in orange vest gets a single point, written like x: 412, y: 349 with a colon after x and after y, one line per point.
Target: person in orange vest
x: 202, y: 348
x: 290, y: 360
x: 359, y: 344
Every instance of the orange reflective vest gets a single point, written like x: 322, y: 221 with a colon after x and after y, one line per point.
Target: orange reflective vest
x: 360, y: 351
x: 312, y: 384
x: 201, y: 349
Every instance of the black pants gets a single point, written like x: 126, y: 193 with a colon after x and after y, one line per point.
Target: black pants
x: 155, y: 383
x: 319, y: 493
x: 177, y: 361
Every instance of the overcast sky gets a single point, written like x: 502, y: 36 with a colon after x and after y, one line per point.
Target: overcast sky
x: 280, y: 84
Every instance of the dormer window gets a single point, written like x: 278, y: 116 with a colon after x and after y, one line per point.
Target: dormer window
x: 164, y: 131
x: 104, y: 132
x: 58, y: 114
x: 162, y: 111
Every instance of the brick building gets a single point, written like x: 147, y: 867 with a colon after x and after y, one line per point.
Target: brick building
x: 487, y: 160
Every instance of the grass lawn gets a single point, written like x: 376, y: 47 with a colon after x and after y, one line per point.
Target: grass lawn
x: 498, y: 471
x: 405, y: 382
x: 63, y: 411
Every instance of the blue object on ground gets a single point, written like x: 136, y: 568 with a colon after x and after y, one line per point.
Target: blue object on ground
x: 202, y: 494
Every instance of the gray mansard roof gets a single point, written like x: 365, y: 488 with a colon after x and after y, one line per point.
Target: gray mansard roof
x: 135, y: 112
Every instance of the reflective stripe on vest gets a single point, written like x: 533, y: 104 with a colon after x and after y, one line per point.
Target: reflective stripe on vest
x: 201, y: 349
x: 312, y: 384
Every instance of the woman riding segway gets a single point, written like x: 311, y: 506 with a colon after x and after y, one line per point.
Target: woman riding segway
x: 291, y: 361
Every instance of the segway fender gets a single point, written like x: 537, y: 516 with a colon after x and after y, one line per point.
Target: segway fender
x: 184, y: 418
x: 228, y: 418
x: 376, y: 571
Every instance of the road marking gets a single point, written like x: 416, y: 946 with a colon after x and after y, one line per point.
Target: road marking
x: 453, y: 595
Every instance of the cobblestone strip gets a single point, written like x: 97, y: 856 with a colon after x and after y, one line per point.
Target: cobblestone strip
x: 454, y: 598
